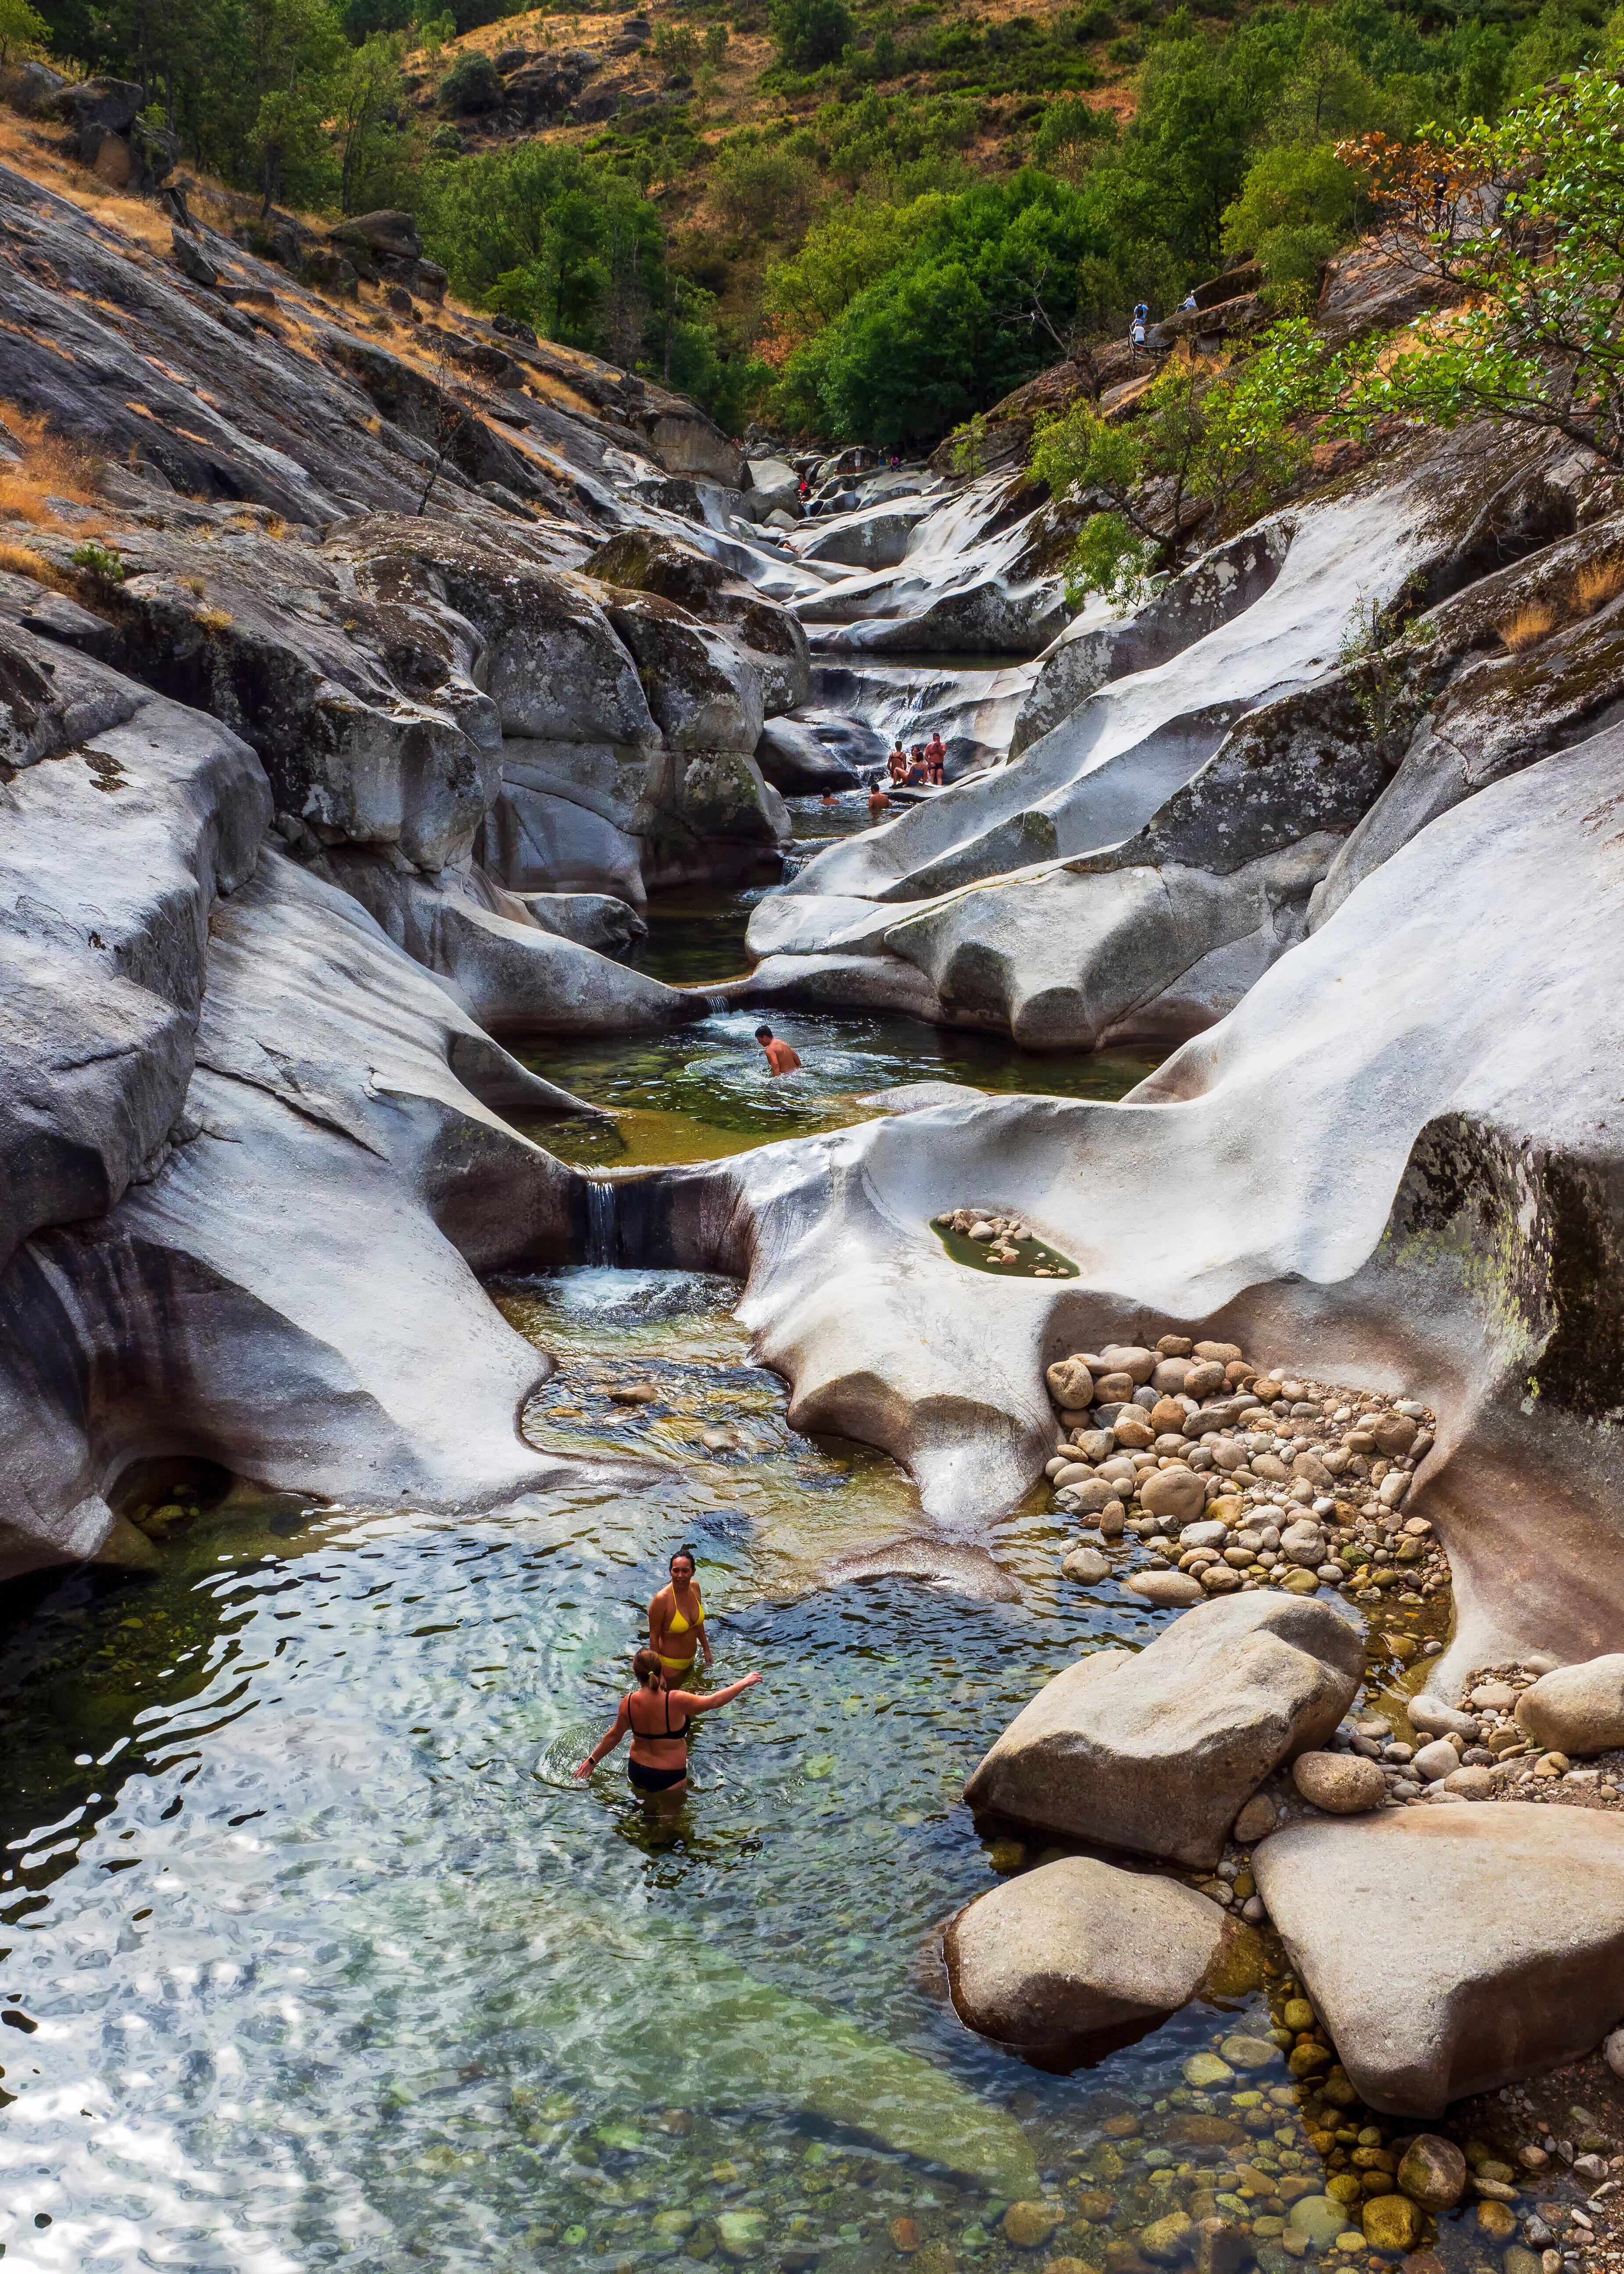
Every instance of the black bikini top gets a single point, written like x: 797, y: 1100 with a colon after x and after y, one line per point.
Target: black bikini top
x: 667, y: 1731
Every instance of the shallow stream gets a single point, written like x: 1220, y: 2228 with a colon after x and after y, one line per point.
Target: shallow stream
x: 316, y: 1955
x: 701, y: 1092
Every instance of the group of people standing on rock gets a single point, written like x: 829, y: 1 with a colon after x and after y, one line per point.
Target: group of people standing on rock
x: 657, y: 1712
x: 920, y: 766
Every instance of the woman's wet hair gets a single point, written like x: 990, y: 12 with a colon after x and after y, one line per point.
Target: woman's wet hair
x: 678, y: 1553
x: 645, y: 1663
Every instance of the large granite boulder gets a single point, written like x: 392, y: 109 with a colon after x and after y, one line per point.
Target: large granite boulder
x: 703, y: 693
x: 1444, y: 1254
x: 794, y: 759
x: 980, y: 577
x: 125, y: 821
x: 1190, y: 776
x: 1155, y: 1751
x: 1453, y: 1950
x: 1577, y: 1709
x: 770, y: 634
x: 1078, y: 1947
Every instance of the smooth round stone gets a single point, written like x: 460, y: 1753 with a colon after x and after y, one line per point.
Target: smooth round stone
x: 1178, y: 1495
x: 1209, y: 1534
x: 1131, y: 1358
x: 1167, y: 1590
x: 1472, y: 1783
x: 1204, y: 2070
x: 1296, y: 2014
x: 1317, y: 2219
x: 1301, y: 1583
x: 1071, y: 1384
x: 1342, y: 1784
x: 1250, y: 2052
x: 1086, y: 1566
x: 1440, y: 1721
x: 1255, y: 1821
x: 740, y: 2233
x: 1392, y: 2223
x: 1028, y: 2225
x: 1496, y: 2220
x: 1435, y: 1761
x: 1494, y: 1698
x: 672, y: 2222
x: 1432, y: 2173
x: 1166, y: 2240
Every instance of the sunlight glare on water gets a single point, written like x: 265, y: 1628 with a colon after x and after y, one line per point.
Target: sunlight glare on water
x: 332, y: 1963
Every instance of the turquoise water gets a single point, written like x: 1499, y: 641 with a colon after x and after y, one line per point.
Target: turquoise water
x: 320, y: 1957
x: 333, y: 1964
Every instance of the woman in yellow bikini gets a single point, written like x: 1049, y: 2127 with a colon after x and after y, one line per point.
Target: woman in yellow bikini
x: 677, y: 1621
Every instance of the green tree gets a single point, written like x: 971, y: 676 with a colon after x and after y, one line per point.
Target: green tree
x: 763, y: 190
x: 1206, y: 450
x: 675, y: 47
x: 1201, y: 105
x: 905, y: 363
x: 1294, y: 208
x: 808, y: 32
x: 1070, y: 136
x: 1538, y: 339
x: 20, y: 26
x: 369, y: 142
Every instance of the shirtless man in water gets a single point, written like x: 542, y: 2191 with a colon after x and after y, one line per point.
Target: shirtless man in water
x: 781, y: 1057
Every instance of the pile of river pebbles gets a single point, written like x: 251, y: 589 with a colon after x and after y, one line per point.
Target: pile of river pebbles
x: 1234, y: 1479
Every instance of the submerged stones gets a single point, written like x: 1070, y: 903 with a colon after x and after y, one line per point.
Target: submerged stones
x: 1076, y: 1947
x: 1155, y: 1752
x: 1003, y: 1243
x: 1432, y: 2173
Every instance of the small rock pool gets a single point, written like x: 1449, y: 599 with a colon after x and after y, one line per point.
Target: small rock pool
x: 700, y: 1092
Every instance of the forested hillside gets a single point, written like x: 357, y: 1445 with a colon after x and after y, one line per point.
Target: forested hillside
x: 847, y: 218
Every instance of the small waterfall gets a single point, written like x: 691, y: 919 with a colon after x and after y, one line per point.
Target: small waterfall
x: 601, y: 1225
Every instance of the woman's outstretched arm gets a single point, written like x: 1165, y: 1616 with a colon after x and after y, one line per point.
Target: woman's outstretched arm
x: 690, y: 1704
x: 623, y: 1723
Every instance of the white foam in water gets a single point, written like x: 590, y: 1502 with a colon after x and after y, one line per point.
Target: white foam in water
x: 612, y: 1294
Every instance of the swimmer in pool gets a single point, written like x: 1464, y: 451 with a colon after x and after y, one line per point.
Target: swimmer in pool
x: 677, y: 1620
x: 658, y: 1718
x: 781, y: 1057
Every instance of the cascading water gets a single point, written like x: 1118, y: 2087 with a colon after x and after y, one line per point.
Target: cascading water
x: 602, y: 1229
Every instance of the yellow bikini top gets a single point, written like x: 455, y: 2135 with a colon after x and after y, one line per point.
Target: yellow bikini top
x: 679, y: 1624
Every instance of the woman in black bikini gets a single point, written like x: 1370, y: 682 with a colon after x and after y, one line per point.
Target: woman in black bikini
x: 658, y: 1719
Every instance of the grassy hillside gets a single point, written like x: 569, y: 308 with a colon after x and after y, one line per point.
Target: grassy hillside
x: 857, y: 218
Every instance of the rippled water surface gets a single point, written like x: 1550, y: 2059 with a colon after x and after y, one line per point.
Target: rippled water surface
x: 699, y: 1092
x: 317, y: 1956
x: 331, y: 1962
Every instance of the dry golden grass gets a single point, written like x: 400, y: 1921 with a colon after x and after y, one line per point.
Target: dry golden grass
x: 1528, y: 627
x: 1601, y: 582
x: 51, y: 469
x: 213, y: 619
x: 22, y: 561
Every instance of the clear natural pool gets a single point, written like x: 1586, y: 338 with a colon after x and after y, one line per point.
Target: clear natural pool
x: 329, y: 1962
x: 314, y: 1954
